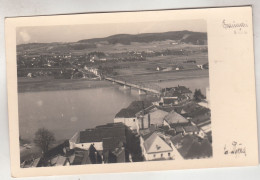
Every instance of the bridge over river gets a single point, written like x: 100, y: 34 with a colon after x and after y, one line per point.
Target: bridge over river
x: 141, y: 88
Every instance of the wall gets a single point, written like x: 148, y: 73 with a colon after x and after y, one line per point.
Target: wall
x: 130, y: 122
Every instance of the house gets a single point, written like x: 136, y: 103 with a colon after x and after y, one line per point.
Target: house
x: 167, y: 69
x: 174, y: 119
x: 94, y: 58
x: 177, y: 67
x: 200, y: 66
x: 95, y: 136
x: 171, y: 98
x: 179, y: 130
x: 205, y: 128
x: 103, y: 59
x: 151, y: 116
x: 159, y: 68
x: 102, y: 142
x: 155, y: 148
x: 29, y: 75
x: 175, y: 95
x: 128, y: 116
x: 192, y: 130
x: 192, y: 147
x: 184, y: 91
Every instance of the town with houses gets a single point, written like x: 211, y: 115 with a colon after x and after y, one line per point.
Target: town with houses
x: 175, y: 127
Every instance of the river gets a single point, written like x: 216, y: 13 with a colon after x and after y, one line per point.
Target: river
x: 68, y: 111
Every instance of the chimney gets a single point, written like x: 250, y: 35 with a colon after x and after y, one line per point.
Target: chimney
x: 149, y: 120
x: 142, y: 121
x: 142, y: 116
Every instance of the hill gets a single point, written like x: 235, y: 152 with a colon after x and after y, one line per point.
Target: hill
x: 188, y: 37
x: 182, y: 36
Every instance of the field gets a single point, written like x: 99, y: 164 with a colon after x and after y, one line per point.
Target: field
x: 145, y: 72
x: 142, y: 59
x: 164, y: 76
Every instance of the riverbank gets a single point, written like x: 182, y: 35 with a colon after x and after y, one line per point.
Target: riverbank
x: 49, y: 84
x: 164, y: 76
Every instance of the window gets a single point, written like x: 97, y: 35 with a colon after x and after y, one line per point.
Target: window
x: 161, y: 155
x: 169, y: 154
x: 154, y: 155
x: 134, y: 120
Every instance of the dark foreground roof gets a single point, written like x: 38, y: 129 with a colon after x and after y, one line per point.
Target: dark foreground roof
x: 192, y: 147
x: 114, y: 130
x: 126, y: 113
x: 132, y: 109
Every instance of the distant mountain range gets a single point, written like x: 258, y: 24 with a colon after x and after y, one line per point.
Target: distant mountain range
x: 125, y: 39
x: 183, y: 36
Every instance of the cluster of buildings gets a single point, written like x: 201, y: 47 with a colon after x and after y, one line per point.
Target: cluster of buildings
x: 175, y: 96
x: 171, y: 68
x: 164, y: 133
x: 102, y: 144
x: 143, y: 131
x: 93, y: 70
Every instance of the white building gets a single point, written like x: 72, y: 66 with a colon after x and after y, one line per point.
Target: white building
x: 154, y: 147
x: 127, y: 117
x: 76, y: 143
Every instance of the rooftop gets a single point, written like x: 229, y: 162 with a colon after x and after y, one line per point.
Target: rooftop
x: 156, y: 116
x: 126, y: 113
x: 132, y: 109
x: 175, y: 118
x: 179, y: 89
x: 154, y: 144
x: 115, y: 130
x: 191, y: 146
x: 191, y: 128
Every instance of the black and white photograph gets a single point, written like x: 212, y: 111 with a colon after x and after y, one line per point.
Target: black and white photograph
x: 142, y: 91
x: 113, y: 93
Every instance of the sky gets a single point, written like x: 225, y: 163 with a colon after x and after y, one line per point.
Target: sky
x: 73, y: 33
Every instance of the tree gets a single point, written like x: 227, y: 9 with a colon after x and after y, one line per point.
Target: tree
x: 198, y: 96
x: 43, y: 139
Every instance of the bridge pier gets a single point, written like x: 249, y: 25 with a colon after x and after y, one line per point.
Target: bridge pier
x: 141, y: 91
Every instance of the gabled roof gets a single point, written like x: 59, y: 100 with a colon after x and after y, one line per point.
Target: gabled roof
x: 132, y: 109
x: 191, y: 146
x: 176, y: 139
x: 89, y: 135
x: 126, y: 113
x: 178, y: 129
x: 175, y: 118
x: 156, y: 116
x: 155, y: 144
x: 191, y: 128
x: 111, y: 143
x: 100, y: 132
